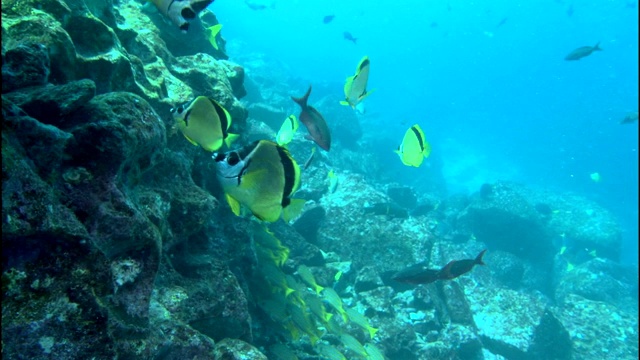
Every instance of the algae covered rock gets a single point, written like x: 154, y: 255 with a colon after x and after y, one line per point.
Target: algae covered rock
x: 504, y: 218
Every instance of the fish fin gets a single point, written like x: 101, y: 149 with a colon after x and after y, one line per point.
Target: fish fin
x: 234, y: 204
x: 367, y: 93
x: 479, y: 257
x: 372, y: 331
x: 230, y: 139
x: 288, y: 291
x: 191, y: 141
x: 597, y: 47
x: 213, y: 32
x: 302, y: 101
x: 570, y: 266
x: 345, y: 103
x: 293, y: 209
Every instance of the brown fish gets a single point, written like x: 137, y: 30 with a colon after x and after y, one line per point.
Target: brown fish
x: 313, y: 120
x: 456, y: 268
x: 420, y: 274
x: 581, y: 52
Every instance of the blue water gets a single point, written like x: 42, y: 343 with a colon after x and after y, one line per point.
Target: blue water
x: 495, y: 102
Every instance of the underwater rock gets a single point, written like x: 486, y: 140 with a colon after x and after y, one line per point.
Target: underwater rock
x: 38, y: 27
x: 117, y: 132
x: 599, y: 330
x: 506, y: 268
x: 50, y: 104
x: 269, y: 114
x: 507, y: 221
x: 386, y: 244
x: 46, y: 143
x: 508, y: 321
x: 30, y: 206
x: 601, y: 280
x: 25, y: 65
x: 367, y: 279
x: 234, y: 349
x: 585, y: 224
x: 457, y: 306
x: 403, y: 196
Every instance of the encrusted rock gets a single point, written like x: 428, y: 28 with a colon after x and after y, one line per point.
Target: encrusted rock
x: 599, y: 330
x: 50, y: 104
x: 234, y: 349
x: 25, y: 65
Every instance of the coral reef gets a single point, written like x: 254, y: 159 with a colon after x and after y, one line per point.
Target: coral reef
x: 117, y: 242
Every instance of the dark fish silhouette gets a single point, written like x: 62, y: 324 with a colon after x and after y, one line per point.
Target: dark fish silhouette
x: 581, y: 52
x: 420, y: 274
x: 570, y: 10
x: 313, y: 120
x: 347, y: 35
x: 417, y: 274
x: 630, y: 118
x: 502, y: 22
x: 327, y: 19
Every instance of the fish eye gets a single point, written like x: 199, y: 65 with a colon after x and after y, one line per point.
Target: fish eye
x: 217, y: 157
x: 233, y: 158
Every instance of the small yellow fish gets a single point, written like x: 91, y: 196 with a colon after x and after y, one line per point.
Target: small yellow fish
x: 213, y: 32
x: 361, y: 320
x: 595, y: 177
x: 414, y: 148
x: 333, y: 181
x: 307, y: 276
x: 287, y: 130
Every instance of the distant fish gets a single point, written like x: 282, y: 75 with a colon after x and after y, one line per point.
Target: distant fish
x: 502, y: 22
x: 583, y: 51
x: 632, y: 4
x: 421, y: 274
x: 595, y: 177
x: 630, y: 118
x: 570, y: 10
x: 327, y: 19
x: 258, y: 5
x: 347, y: 35
x: 313, y: 120
x: 433, y: 25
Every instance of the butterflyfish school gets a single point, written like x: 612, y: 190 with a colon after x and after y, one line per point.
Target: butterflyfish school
x: 414, y: 148
x: 314, y: 122
x: 261, y: 176
x: 287, y: 130
x: 181, y: 12
x: 204, y: 122
x: 355, y: 87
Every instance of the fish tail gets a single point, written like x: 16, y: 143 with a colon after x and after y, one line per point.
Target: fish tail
x: 302, y: 101
x: 597, y: 47
x: 479, y: 257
